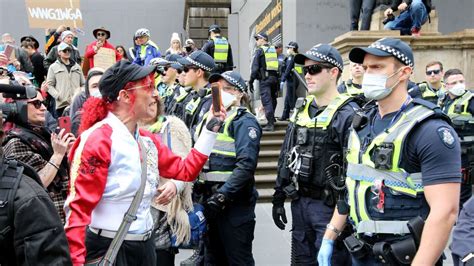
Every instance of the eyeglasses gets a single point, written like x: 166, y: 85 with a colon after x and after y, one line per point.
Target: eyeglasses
x: 37, y: 103
x: 147, y: 87
x: 67, y: 50
x: 101, y: 34
x: 435, y: 72
x: 179, y: 71
x: 186, y: 69
x: 314, y: 69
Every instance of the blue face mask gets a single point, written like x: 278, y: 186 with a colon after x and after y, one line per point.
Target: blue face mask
x: 96, y: 93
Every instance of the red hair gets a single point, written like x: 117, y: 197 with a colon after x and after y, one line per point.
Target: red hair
x: 96, y: 109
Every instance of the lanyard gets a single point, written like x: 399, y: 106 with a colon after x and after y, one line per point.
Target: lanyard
x: 395, y: 117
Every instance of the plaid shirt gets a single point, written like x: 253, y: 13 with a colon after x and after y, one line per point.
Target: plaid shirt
x: 18, y: 150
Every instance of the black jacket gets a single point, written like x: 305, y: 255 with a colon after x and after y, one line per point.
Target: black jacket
x: 38, y: 234
x: 396, y: 3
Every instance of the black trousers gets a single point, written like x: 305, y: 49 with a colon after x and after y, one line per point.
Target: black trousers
x: 367, y: 7
x: 130, y: 253
x: 227, y: 244
x: 290, y: 98
x: 269, y: 95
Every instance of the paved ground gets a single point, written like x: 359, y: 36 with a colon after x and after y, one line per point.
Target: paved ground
x: 271, y: 245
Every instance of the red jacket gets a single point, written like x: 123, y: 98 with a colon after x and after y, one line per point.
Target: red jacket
x: 105, y: 175
x: 90, y: 52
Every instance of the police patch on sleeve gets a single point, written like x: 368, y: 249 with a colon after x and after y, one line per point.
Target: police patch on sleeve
x: 446, y: 136
x: 252, y: 133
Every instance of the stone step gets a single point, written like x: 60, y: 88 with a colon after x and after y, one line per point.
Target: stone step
x: 273, y: 144
x: 265, y: 195
x: 265, y: 181
x: 266, y: 168
x: 268, y: 156
x: 275, y: 135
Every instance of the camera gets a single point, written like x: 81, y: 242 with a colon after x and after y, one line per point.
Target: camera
x: 389, y: 18
x: 16, y: 111
x: 382, y: 156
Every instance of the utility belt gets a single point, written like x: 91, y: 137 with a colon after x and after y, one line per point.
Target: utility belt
x: 129, y: 237
x: 270, y: 73
x: 396, y: 250
x: 466, y: 175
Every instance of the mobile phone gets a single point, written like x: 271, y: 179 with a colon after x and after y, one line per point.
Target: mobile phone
x: 65, y: 122
x: 9, y: 52
x: 216, y: 98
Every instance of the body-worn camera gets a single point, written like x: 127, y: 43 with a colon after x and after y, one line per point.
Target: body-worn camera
x: 291, y: 192
x: 383, y: 156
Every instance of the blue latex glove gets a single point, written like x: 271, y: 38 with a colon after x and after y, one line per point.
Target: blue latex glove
x: 282, y: 84
x: 325, y: 252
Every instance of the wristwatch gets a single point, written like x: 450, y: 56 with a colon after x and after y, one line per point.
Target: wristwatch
x: 334, y: 229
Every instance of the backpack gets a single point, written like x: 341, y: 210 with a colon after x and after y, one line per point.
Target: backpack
x: 11, y: 173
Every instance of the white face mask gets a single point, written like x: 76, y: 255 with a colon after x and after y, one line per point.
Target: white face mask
x: 458, y: 89
x: 374, y: 88
x: 96, y: 93
x: 227, y: 99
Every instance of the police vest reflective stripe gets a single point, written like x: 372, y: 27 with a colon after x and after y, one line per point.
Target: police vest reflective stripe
x: 362, y: 173
x: 353, y: 90
x: 192, y: 105
x: 221, y: 49
x: 426, y: 92
x: 170, y: 89
x: 302, y: 118
x: 458, y: 109
x: 224, y: 148
x: 271, y: 58
x: 299, y: 68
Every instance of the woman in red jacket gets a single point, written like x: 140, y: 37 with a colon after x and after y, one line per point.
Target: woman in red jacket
x: 106, y: 168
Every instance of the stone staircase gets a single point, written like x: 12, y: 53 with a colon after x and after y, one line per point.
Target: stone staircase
x: 265, y: 175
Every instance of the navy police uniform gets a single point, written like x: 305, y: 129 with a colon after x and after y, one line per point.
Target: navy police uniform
x: 292, y: 82
x: 461, y: 112
x: 462, y: 246
x: 311, y: 166
x: 268, y: 78
x: 195, y: 104
x: 390, y: 161
x: 227, y: 185
x: 221, y: 52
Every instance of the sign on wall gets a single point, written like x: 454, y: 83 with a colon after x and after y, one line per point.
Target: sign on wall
x: 269, y: 22
x: 53, y: 13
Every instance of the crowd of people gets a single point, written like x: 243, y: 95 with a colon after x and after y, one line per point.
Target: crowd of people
x: 126, y: 165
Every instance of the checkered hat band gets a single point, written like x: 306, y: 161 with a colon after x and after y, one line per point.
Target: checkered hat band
x: 196, y: 63
x: 400, y: 56
x: 234, y: 81
x: 325, y: 58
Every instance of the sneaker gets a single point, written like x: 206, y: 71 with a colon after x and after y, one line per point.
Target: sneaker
x: 195, y: 259
x: 415, y: 32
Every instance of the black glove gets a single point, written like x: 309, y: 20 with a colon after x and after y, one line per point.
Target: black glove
x: 278, y: 211
x: 279, y: 216
x: 251, y: 89
x: 214, y: 124
x: 214, y: 205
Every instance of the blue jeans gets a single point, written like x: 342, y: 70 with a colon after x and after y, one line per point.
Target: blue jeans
x: 410, y: 19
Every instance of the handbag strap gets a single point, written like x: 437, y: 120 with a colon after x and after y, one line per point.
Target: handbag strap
x: 130, y: 215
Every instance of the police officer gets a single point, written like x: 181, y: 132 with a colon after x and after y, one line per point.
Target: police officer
x: 169, y: 80
x: 458, y: 104
x: 227, y: 182
x: 402, y: 155
x: 265, y: 69
x: 291, y: 80
x: 219, y: 48
x: 353, y: 86
x: 462, y: 246
x: 310, y: 164
x: 197, y: 68
x: 432, y: 89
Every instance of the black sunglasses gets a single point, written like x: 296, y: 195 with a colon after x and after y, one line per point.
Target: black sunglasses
x: 37, y: 103
x: 436, y: 72
x: 67, y: 50
x: 186, y: 69
x: 312, y: 69
x: 101, y: 34
x: 179, y: 71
